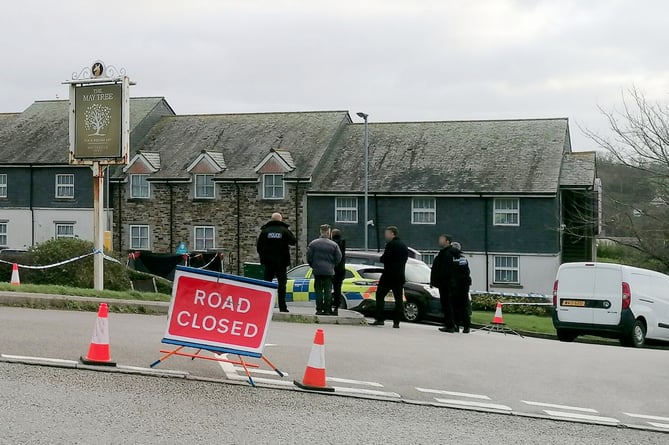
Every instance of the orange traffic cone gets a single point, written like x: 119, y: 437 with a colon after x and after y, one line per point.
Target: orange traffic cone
x: 497, y: 319
x: 98, y: 351
x: 16, y: 281
x: 314, y: 375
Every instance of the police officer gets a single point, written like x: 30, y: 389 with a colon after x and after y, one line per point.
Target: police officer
x: 460, y: 284
x: 274, y: 249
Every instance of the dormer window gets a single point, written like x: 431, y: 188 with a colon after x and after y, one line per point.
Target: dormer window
x: 273, y: 186
x: 204, y: 187
x: 139, y: 186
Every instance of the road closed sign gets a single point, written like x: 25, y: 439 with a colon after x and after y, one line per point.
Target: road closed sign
x: 219, y: 312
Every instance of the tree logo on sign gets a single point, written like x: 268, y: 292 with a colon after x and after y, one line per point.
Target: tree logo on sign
x: 97, y: 117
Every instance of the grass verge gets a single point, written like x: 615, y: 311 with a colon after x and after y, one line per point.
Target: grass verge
x: 518, y: 322
x: 80, y: 292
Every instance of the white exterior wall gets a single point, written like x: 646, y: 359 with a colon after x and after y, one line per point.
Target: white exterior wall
x: 18, y: 228
x: 19, y: 231
x: 536, y: 273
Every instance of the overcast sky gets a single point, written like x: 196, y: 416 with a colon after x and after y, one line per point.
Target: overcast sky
x: 398, y: 60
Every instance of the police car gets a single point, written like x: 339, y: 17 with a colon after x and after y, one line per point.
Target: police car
x: 360, y: 283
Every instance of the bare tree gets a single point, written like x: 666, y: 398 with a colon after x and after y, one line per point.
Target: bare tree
x: 640, y: 140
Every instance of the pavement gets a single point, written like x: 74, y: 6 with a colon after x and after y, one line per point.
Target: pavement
x: 54, y: 406
x: 416, y: 364
x: 299, y: 312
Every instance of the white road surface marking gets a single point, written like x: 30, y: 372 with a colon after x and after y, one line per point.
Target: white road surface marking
x: 577, y: 416
x: 659, y: 425
x: 39, y: 359
x: 453, y: 393
x: 565, y: 407
x: 354, y: 382
x: 474, y: 404
x: 367, y: 392
x: 644, y: 416
x: 260, y: 371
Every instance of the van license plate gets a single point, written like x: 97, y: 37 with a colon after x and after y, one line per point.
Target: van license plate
x: 573, y: 303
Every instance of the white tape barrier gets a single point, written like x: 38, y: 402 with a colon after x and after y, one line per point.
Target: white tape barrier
x: 522, y: 303
x: 511, y: 294
x: 61, y: 263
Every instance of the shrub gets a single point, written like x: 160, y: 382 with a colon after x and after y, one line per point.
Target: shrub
x: 488, y: 302
x: 77, y: 273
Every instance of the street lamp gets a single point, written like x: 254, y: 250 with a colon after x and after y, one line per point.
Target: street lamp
x: 365, y: 117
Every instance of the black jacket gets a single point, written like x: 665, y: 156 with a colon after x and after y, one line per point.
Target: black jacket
x: 462, y: 278
x: 442, y: 268
x: 340, y: 268
x: 274, y: 244
x: 394, y: 261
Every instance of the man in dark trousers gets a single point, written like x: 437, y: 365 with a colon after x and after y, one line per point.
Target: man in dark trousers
x: 462, y: 279
x: 394, y: 261
x: 441, y: 276
x: 323, y: 255
x: 340, y: 272
x: 274, y: 249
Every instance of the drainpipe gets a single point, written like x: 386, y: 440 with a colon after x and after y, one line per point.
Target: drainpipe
x: 171, y: 188
x: 485, y: 244
x: 376, y: 223
x: 119, y: 187
x: 32, y: 209
x: 297, y: 222
x: 239, y: 229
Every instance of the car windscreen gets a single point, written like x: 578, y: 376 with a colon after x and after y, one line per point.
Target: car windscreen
x: 371, y: 274
x: 418, y: 272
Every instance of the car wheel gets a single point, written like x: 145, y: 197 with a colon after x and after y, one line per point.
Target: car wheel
x: 412, y: 311
x: 566, y: 336
x: 637, y: 335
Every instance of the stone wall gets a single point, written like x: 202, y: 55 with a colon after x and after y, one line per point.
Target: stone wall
x: 221, y: 212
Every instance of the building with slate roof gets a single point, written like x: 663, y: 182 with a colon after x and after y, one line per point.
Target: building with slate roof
x: 211, y: 181
x: 41, y: 195
x: 511, y: 191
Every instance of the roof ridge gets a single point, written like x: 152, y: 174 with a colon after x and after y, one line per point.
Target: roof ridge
x: 256, y: 113
x: 465, y: 120
x: 67, y: 100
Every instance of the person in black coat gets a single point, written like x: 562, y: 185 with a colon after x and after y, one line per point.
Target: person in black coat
x: 273, y: 246
x: 461, y: 282
x: 441, y: 277
x: 394, y: 261
x: 340, y: 272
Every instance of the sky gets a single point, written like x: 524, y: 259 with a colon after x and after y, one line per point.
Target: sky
x: 397, y: 60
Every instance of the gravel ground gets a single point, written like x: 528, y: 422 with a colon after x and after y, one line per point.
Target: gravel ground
x: 42, y: 405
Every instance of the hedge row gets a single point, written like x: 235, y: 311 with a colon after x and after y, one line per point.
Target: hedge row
x: 488, y: 302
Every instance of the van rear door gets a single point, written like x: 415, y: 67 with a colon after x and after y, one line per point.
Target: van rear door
x: 576, y: 286
x: 607, y: 302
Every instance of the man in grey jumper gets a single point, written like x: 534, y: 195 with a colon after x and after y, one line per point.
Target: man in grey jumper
x: 323, y: 255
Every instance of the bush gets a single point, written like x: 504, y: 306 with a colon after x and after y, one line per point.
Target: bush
x: 488, y: 302
x: 77, y: 273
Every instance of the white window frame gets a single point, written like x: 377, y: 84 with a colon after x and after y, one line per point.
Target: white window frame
x: 134, y: 246
x: 64, y: 186
x: 274, y: 186
x: 139, y: 177
x: 64, y: 224
x: 506, y: 268
x: 203, y: 177
x: 204, y: 239
x: 431, y: 255
x: 4, y: 233
x: 424, y: 211
x: 506, y: 211
x: 346, y: 209
x: 3, y: 185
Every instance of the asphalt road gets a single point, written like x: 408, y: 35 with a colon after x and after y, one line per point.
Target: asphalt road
x: 52, y: 406
x: 604, y: 384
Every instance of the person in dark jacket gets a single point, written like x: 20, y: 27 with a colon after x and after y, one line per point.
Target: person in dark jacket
x: 273, y: 246
x: 394, y: 261
x: 340, y: 272
x: 461, y: 282
x: 323, y: 255
x: 441, y: 277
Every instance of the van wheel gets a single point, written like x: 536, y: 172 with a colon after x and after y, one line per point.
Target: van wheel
x: 637, y: 336
x: 566, y: 336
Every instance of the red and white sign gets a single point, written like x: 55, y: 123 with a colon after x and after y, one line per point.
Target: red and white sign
x: 225, y: 312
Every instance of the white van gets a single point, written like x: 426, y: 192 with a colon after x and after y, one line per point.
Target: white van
x: 611, y: 300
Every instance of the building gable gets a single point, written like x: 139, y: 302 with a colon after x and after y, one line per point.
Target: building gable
x: 276, y: 162
x: 207, y: 163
